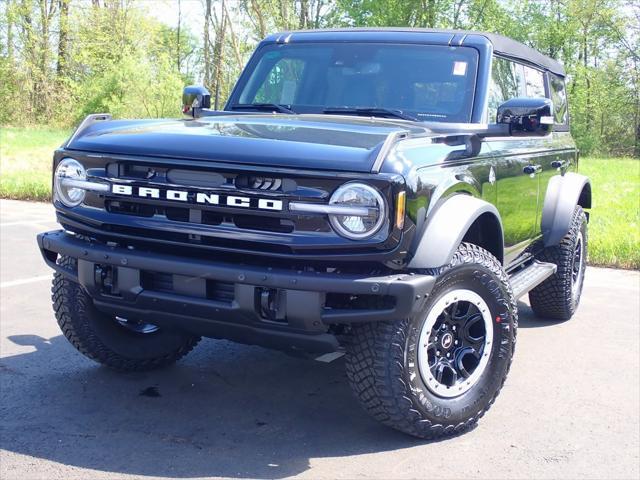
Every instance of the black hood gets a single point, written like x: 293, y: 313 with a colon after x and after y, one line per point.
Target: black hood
x: 318, y: 142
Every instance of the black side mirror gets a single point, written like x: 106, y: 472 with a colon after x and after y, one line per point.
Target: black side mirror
x: 527, y: 116
x: 195, y: 98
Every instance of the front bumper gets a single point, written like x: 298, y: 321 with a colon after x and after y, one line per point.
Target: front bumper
x: 274, y: 307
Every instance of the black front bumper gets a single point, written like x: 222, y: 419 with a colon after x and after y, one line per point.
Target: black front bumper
x: 274, y: 307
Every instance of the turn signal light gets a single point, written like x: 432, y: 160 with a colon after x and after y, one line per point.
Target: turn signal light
x: 401, y: 203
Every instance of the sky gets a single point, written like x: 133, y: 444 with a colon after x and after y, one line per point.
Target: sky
x: 166, y: 11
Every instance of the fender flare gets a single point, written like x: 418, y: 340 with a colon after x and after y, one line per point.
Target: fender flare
x: 446, y: 228
x: 564, y: 192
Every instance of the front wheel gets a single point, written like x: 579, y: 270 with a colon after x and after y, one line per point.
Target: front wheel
x: 122, y: 344
x: 437, y: 373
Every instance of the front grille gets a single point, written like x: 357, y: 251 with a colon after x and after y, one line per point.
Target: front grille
x: 220, y: 226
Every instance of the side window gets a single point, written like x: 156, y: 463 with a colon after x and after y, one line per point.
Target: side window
x: 533, y: 83
x: 503, y: 86
x: 559, y: 98
x: 281, y: 83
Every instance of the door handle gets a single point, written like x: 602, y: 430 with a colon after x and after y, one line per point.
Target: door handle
x: 559, y: 164
x: 532, y: 169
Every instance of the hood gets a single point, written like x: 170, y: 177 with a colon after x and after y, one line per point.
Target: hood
x: 318, y: 142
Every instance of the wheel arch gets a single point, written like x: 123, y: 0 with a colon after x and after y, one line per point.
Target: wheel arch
x: 460, y: 218
x: 564, y: 193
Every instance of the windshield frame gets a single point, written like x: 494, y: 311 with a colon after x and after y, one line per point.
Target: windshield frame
x: 475, y: 105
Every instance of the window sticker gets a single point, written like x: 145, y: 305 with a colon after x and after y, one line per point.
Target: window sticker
x: 460, y: 69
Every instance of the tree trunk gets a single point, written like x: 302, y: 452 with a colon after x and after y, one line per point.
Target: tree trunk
x: 585, y: 63
x: 262, y: 27
x: 316, y: 22
x: 63, y: 39
x: 431, y: 13
x: 207, y: 58
x: 218, y: 53
x: 234, y: 40
x: 284, y: 15
x: 10, y: 20
x: 178, y: 35
x: 637, y: 143
x: 304, y: 14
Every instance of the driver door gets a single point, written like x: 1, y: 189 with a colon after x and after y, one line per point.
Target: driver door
x: 518, y: 160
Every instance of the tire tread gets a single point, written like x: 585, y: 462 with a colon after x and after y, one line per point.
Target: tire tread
x: 375, y: 363
x: 70, y: 306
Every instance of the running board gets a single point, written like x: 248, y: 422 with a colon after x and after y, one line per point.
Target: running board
x: 528, y: 278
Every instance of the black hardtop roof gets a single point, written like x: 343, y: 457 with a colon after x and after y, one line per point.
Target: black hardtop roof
x: 502, y: 45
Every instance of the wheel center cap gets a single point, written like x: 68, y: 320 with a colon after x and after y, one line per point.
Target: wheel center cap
x: 446, y: 341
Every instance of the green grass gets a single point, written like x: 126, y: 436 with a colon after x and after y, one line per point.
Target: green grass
x: 614, y: 228
x: 614, y: 231
x: 25, y: 161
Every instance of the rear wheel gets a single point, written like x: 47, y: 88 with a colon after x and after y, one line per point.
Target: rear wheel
x: 122, y: 344
x: 436, y: 374
x: 558, y: 297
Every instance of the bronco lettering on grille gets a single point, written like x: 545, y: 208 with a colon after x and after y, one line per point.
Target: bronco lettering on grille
x: 197, y: 197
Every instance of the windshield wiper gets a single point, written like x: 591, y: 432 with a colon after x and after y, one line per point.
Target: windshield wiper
x: 262, y: 106
x: 373, y: 111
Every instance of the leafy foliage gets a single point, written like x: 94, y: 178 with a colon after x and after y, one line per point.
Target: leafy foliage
x: 62, y: 59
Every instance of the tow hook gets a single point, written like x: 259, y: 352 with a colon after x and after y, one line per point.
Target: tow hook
x: 271, y: 304
x: 105, y: 278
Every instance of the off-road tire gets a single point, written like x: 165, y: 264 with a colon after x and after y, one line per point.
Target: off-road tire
x: 381, y: 357
x: 101, y: 338
x: 554, y: 299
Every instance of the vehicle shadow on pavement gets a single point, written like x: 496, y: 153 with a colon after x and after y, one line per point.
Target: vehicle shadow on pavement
x: 526, y: 318
x: 226, y: 410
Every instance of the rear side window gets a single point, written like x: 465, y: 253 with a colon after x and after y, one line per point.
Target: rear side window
x: 510, y: 80
x: 533, y: 83
x: 559, y: 98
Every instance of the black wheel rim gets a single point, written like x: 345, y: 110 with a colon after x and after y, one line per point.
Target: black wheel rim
x: 455, y: 343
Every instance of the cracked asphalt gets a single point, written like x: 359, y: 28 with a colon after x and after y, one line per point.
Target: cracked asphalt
x: 569, y: 409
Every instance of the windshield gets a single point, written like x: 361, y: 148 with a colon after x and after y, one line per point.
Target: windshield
x: 428, y: 82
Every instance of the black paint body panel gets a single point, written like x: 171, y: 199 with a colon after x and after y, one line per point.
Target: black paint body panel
x: 308, y: 157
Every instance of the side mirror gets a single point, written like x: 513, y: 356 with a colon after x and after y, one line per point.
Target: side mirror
x: 194, y: 98
x: 527, y: 116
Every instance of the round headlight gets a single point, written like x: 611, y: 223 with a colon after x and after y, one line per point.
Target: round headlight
x: 369, y: 200
x: 67, y: 171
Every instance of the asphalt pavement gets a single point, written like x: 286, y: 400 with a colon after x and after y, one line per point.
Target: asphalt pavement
x: 569, y: 409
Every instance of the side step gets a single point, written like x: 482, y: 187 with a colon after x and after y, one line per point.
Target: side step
x: 530, y: 277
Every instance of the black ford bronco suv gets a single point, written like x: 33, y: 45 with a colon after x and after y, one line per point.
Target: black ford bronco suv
x: 388, y: 194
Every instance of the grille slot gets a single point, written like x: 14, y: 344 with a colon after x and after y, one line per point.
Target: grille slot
x: 156, y: 281
x: 220, y: 291
x: 130, y: 208
x: 268, y: 224
x: 177, y: 214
